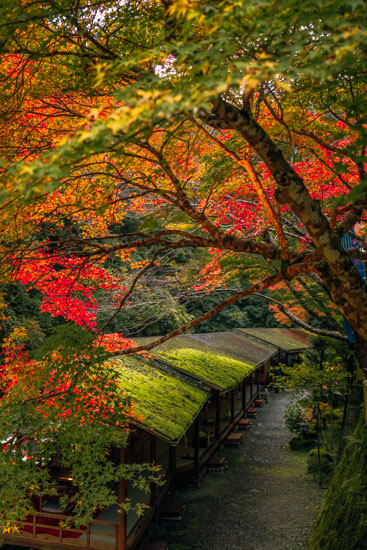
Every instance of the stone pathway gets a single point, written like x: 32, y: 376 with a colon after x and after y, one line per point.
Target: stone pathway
x: 264, y: 501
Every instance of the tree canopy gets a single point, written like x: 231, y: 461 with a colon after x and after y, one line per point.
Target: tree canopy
x: 132, y: 131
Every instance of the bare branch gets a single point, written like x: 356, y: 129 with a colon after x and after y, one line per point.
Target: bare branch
x: 290, y: 273
x: 306, y: 326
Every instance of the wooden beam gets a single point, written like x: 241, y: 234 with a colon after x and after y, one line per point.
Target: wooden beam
x: 232, y: 406
x: 244, y: 395
x: 172, y: 459
x: 217, y: 416
x: 196, y: 446
x: 122, y: 519
x: 153, y: 460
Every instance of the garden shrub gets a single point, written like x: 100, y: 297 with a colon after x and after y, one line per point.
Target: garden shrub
x: 293, y: 416
x: 300, y: 444
x: 326, y: 462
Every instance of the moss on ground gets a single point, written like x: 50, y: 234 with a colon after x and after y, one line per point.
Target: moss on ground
x: 218, y: 370
x: 342, y: 524
x: 166, y: 404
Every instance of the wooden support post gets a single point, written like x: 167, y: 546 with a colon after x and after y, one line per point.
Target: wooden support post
x: 244, y: 395
x: 172, y: 459
x: 258, y: 380
x: 251, y: 391
x: 232, y: 406
x: 217, y: 416
x: 153, y: 449
x: 153, y: 460
x: 122, y: 532
x: 196, y: 446
x: 88, y: 535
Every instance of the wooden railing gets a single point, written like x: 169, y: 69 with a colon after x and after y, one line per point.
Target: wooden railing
x: 37, y: 527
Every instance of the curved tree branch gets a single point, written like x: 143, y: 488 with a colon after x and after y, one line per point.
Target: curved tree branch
x: 306, y: 326
x: 289, y: 273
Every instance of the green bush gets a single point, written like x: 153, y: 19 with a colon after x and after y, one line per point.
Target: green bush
x: 326, y: 462
x: 300, y: 444
x: 293, y: 416
x: 336, y: 415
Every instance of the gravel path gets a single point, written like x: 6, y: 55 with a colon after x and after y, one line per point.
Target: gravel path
x: 264, y: 501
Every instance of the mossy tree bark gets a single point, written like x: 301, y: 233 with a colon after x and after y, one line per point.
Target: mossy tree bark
x: 342, y: 524
x: 352, y: 416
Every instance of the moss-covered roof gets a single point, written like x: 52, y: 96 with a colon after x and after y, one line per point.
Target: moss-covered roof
x: 168, y: 405
x: 219, y: 371
x: 282, y: 338
x: 235, y: 345
x: 220, y: 359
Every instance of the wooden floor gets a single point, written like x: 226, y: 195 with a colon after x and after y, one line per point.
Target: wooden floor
x: 48, y: 542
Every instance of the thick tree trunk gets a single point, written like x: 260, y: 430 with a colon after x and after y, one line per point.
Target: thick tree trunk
x: 352, y: 416
x: 346, y: 287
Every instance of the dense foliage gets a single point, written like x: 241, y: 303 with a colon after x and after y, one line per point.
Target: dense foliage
x: 132, y: 132
x: 64, y: 411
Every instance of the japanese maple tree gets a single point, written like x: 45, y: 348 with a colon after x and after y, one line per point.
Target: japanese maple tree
x: 233, y: 128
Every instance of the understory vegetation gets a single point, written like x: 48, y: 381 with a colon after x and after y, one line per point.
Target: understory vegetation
x: 321, y: 383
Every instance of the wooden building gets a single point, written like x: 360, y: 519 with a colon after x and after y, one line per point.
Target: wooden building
x: 290, y: 343
x: 233, y: 369
x: 190, y: 394
x: 168, y: 406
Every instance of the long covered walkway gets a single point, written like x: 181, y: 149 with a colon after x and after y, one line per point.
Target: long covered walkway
x: 263, y: 501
